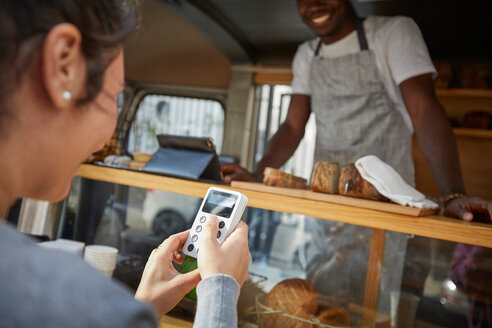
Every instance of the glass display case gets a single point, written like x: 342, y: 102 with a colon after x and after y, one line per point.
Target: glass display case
x: 382, y: 267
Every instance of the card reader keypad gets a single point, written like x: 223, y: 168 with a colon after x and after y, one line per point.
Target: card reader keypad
x: 199, y: 229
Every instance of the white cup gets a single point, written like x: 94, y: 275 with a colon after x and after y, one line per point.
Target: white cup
x: 403, y: 309
x: 69, y: 246
x: 103, y: 258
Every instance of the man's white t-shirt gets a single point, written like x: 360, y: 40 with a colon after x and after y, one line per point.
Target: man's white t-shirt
x: 400, y: 52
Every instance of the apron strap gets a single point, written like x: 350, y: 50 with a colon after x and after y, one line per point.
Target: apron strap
x: 318, y: 47
x: 361, y: 35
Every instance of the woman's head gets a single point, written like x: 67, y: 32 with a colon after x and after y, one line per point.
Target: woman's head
x: 61, y: 68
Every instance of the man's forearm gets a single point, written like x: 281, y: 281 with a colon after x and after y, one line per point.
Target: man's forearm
x: 438, y: 144
x: 280, y: 148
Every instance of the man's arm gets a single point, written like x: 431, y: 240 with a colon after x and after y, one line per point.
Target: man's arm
x: 438, y: 144
x: 285, y: 141
x: 434, y: 133
x: 281, y: 146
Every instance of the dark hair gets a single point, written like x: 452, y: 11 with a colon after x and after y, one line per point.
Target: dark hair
x: 103, y: 24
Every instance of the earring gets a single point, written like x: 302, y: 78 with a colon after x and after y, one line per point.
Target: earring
x: 67, y: 95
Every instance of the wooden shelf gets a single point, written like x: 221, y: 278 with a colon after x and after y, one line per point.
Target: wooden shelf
x: 473, y: 93
x: 437, y: 227
x: 171, y: 322
x: 474, y: 133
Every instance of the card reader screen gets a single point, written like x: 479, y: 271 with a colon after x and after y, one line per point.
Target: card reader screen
x: 219, y: 203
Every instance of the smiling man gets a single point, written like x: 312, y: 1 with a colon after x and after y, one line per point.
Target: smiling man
x: 369, y: 82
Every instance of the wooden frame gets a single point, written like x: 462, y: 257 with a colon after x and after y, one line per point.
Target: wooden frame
x: 437, y: 227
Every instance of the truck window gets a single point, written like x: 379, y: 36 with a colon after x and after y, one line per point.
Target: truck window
x: 273, y: 103
x: 184, y: 116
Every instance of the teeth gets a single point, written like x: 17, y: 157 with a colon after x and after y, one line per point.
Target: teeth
x: 322, y: 19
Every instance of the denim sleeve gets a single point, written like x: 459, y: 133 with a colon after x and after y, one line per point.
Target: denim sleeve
x: 217, y: 300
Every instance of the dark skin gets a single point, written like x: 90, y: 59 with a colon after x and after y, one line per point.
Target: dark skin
x: 333, y: 20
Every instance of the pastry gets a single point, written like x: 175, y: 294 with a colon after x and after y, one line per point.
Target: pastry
x: 444, y: 74
x: 338, y: 317
x: 478, y: 120
x: 296, y: 297
x: 136, y: 165
x: 278, y: 178
x: 352, y: 184
x: 142, y: 157
x: 325, y: 177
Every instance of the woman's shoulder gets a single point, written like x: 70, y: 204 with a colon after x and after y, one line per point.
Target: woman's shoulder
x: 56, y: 288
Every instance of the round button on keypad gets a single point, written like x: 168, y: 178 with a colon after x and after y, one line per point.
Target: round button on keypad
x: 194, y: 238
x: 203, y: 219
x: 199, y: 228
x: 221, y: 224
x: 190, y: 247
x: 218, y: 234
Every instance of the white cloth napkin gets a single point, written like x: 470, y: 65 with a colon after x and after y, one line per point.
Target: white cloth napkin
x: 390, y: 184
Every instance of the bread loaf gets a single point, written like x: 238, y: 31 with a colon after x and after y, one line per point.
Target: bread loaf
x: 478, y: 120
x: 352, y: 184
x: 444, y: 74
x: 296, y: 297
x: 136, y: 165
x: 278, y: 178
x: 325, y: 177
x: 338, y: 317
x: 142, y: 157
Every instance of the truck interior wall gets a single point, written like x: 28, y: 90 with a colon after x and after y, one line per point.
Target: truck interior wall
x: 169, y: 50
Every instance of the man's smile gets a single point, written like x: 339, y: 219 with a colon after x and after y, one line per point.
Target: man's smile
x: 321, y: 19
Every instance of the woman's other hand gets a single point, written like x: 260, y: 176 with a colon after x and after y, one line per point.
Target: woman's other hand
x: 161, y: 285
x: 232, y: 257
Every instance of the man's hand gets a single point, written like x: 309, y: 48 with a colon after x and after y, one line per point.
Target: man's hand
x: 161, y: 285
x: 235, y: 172
x: 281, y: 146
x: 470, y: 208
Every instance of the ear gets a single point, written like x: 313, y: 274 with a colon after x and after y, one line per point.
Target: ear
x: 63, y: 65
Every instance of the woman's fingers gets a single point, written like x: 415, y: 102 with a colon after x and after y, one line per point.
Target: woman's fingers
x: 174, y: 242
x: 209, y: 233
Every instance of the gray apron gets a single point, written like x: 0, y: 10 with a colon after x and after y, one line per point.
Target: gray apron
x: 354, y: 117
x: 354, y: 114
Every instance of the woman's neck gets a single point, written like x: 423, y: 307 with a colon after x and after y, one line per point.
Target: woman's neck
x: 10, y: 176
x: 6, y: 201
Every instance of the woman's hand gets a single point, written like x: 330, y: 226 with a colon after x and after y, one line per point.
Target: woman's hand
x: 470, y: 208
x: 161, y: 285
x: 232, y: 257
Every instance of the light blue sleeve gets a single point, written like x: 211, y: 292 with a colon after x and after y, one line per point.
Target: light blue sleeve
x: 217, y: 302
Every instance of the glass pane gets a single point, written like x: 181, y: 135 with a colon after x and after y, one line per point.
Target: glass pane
x: 431, y: 282
x: 183, y: 116
x: 273, y: 104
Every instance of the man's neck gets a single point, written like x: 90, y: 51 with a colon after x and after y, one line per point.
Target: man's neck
x: 341, y: 32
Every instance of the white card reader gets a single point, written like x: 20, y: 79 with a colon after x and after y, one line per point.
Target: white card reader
x: 227, y: 205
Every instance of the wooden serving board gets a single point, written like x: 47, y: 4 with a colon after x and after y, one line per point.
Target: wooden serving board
x: 336, y: 199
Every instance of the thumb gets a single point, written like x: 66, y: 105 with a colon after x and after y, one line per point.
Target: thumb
x: 228, y: 178
x: 463, y: 214
x: 189, y: 280
x: 209, y: 234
